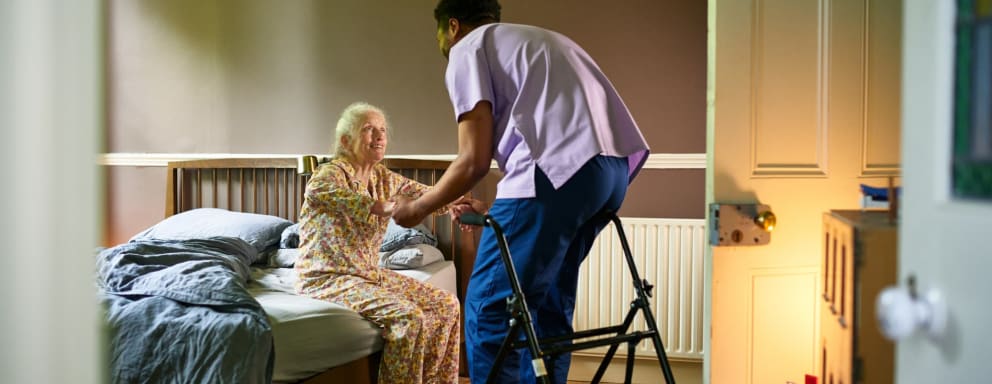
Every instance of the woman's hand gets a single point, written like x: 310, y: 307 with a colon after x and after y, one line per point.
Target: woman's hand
x: 407, y: 213
x: 466, y: 205
x: 383, y: 208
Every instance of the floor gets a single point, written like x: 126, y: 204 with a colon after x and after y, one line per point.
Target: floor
x: 464, y: 380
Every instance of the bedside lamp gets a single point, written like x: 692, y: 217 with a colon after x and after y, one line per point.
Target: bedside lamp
x: 306, y: 165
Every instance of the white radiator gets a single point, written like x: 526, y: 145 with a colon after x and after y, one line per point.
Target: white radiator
x: 669, y: 254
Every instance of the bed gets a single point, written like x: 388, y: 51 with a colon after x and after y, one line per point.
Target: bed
x: 315, y: 341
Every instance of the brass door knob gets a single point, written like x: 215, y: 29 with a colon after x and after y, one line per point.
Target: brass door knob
x: 765, y: 220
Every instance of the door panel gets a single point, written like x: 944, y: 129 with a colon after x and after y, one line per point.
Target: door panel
x: 771, y: 287
x: 785, y: 134
x: 881, y: 138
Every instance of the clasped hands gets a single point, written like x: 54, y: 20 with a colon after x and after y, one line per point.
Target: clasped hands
x: 407, y: 212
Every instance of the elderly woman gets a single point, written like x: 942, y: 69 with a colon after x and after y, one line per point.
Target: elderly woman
x: 345, y: 212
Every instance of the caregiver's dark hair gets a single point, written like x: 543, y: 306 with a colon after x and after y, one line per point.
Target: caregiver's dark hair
x: 471, y: 13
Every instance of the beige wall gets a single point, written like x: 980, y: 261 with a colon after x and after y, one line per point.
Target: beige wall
x: 257, y: 76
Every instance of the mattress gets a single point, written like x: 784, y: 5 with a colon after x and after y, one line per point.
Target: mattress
x: 312, y: 335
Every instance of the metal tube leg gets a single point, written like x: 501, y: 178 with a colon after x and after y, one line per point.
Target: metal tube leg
x: 643, y: 293
x: 519, y: 308
x: 659, y: 348
x: 503, y: 350
x: 631, y: 349
x: 613, y: 348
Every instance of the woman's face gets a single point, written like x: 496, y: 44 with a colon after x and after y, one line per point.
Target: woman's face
x: 370, y: 143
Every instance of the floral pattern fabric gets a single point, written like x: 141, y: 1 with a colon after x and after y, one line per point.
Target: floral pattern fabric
x: 339, y: 255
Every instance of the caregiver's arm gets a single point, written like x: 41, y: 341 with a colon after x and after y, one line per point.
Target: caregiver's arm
x: 475, y: 154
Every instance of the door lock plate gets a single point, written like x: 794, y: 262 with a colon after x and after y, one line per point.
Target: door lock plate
x: 740, y: 224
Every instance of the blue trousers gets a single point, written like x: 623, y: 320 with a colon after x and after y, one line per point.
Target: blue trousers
x: 548, y: 236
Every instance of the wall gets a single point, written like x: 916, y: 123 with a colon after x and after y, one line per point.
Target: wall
x: 220, y: 76
x: 254, y: 76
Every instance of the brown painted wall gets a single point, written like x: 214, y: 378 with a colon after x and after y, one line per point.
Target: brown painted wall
x: 653, y: 51
x: 257, y: 76
x: 136, y: 200
x: 670, y: 193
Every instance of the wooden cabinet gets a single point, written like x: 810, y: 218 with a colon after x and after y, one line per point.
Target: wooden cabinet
x: 859, y: 260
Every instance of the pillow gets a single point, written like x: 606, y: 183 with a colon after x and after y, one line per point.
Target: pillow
x: 414, y: 256
x: 290, y: 237
x: 261, y: 231
x: 282, y: 257
x: 397, y: 237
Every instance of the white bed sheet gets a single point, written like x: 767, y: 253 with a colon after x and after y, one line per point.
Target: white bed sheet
x: 313, y: 335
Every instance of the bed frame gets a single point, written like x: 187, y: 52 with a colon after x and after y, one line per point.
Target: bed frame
x: 272, y: 186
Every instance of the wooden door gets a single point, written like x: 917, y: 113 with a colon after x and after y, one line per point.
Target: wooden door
x: 803, y: 107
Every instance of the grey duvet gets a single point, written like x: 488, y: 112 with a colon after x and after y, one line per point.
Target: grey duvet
x: 180, y: 312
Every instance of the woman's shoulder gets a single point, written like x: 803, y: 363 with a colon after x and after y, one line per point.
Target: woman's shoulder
x: 334, y: 171
x: 336, y: 165
x: 337, y: 162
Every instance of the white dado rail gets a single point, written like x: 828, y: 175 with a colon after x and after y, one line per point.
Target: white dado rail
x: 123, y: 159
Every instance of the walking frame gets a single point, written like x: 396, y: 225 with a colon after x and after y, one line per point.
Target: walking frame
x: 551, y: 347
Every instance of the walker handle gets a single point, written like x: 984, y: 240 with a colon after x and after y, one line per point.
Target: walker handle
x: 473, y: 219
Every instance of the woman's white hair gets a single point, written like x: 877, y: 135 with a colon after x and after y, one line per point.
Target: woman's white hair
x: 349, y: 124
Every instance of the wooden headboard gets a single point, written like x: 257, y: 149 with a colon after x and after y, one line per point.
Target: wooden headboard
x: 268, y: 186
x: 272, y: 186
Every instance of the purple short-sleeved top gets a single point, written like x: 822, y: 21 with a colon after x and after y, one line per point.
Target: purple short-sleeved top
x: 553, y: 108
